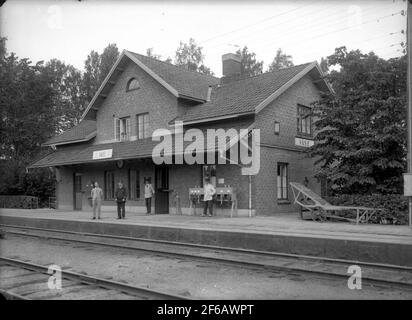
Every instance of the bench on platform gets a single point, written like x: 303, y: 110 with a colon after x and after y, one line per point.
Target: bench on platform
x: 321, y: 210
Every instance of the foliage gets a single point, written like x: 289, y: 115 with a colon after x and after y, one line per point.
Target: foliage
x: 190, y: 55
x: 96, y: 68
x: 107, y: 60
x: 28, y: 116
x: 395, y: 206
x: 66, y: 80
x: 361, y: 129
x: 91, y: 77
x: 27, y: 108
x: 249, y: 65
x: 35, y: 182
x: 281, y: 61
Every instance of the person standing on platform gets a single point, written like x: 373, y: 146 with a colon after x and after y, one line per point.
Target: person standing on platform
x: 121, y: 196
x: 209, y: 191
x: 148, y: 194
x: 97, y: 196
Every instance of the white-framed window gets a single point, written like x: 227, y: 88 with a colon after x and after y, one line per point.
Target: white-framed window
x: 142, y: 125
x: 282, y: 181
x: 122, y: 128
x: 132, y: 84
x: 304, y: 120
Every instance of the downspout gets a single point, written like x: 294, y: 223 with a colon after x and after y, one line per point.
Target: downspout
x: 250, y: 196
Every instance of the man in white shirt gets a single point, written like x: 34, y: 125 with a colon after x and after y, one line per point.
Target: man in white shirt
x: 97, y: 196
x: 209, y: 191
x: 148, y: 194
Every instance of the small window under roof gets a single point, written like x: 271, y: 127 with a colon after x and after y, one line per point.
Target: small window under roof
x: 132, y: 84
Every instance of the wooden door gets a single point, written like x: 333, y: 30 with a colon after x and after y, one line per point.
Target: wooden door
x: 162, y: 190
x: 78, y: 195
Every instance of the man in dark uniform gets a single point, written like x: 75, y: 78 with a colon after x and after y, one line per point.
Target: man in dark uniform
x: 121, y: 196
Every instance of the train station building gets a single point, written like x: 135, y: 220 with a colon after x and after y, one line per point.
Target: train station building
x: 114, y: 140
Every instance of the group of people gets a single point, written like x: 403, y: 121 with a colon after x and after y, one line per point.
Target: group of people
x: 120, y: 197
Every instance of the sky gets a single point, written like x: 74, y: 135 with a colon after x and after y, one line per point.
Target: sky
x: 307, y: 30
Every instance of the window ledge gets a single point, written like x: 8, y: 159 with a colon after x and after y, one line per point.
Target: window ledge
x: 304, y: 136
x: 134, y: 89
x: 281, y: 202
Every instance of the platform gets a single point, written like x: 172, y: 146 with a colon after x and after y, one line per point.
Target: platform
x: 281, y: 233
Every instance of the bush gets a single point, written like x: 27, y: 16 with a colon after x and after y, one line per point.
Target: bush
x: 395, y: 206
x: 37, y: 183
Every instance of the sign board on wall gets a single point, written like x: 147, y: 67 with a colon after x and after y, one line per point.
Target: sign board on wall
x: 304, y: 142
x: 102, y: 154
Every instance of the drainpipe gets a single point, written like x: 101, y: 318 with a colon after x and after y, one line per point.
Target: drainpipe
x: 250, y: 196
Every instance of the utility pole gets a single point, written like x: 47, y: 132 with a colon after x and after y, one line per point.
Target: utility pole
x: 409, y: 87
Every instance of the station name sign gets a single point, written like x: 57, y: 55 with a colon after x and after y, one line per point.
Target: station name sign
x: 102, y: 154
x: 304, y: 142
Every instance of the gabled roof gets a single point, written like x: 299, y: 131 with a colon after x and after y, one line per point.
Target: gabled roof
x: 246, y: 96
x: 82, y: 132
x: 179, y: 81
x: 187, y: 83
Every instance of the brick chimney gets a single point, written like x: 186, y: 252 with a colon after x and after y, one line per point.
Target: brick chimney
x: 231, y: 69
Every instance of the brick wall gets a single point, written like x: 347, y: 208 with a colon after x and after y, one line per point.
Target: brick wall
x: 95, y: 172
x: 281, y: 148
x: 151, y: 97
x: 284, y: 110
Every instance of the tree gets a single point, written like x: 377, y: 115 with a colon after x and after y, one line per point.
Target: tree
x: 3, y: 49
x: 361, y: 140
x: 91, y: 77
x: 96, y: 68
x: 107, y: 59
x: 249, y: 65
x: 66, y: 80
x: 281, y: 61
x: 27, y: 119
x: 190, y: 55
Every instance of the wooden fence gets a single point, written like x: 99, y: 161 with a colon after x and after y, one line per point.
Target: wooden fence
x: 22, y: 202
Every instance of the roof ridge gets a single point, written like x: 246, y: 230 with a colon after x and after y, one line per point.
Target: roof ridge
x: 264, y: 73
x: 178, y: 67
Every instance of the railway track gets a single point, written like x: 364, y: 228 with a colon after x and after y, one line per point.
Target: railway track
x: 23, y: 280
x: 372, y: 273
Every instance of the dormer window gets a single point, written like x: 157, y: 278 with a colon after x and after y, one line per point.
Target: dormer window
x: 132, y: 84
